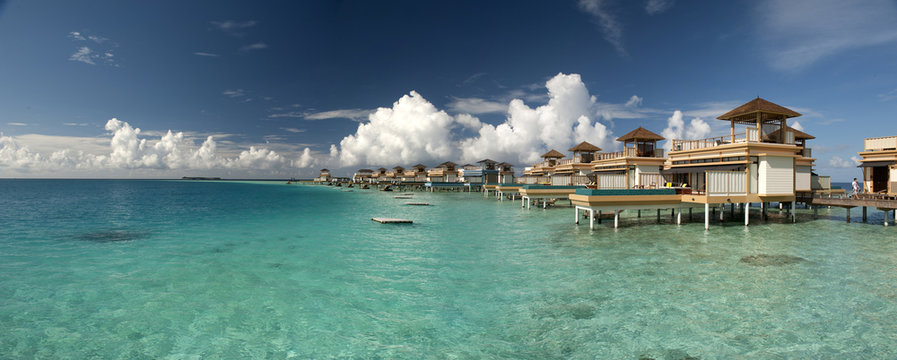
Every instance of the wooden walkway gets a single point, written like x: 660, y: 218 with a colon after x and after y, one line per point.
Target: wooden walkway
x: 392, y: 221
x: 884, y: 203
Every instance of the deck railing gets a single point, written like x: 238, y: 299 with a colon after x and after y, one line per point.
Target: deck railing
x: 881, y: 143
x: 565, y: 161
x: 726, y: 183
x: 609, y: 155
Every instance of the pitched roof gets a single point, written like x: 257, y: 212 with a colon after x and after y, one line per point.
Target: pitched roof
x: 323, y: 170
x: 505, y: 164
x: 585, y: 146
x: 364, y: 170
x: 381, y: 169
x: 553, y: 154
x: 419, y: 166
x: 640, y: 134
x: 797, y: 134
x: 488, y: 161
x: 398, y: 168
x: 758, y: 105
x: 448, y: 163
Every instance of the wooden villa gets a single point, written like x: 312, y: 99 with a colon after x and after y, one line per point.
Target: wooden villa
x: 879, y: 164
x: 540, y: 173
x: 416, y: 174
x: 323, y: 176
x: 637, y: 166
x: 573, y: 171
x: 362, y: 176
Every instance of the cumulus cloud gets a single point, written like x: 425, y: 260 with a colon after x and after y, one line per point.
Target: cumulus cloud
x: 412, y: 130
x: 528, y: 132
x: 128, y: 150
x: 677, y: 129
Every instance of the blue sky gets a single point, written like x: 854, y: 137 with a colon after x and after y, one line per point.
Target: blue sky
x: 283, y: 88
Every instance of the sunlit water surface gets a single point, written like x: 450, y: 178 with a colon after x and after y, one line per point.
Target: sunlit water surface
x: 182, y: 270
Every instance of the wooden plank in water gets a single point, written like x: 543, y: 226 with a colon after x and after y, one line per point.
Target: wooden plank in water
x: 418, y: 203
x: 392, y: 221
x: 402, y: 197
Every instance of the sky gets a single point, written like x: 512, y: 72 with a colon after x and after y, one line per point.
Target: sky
x: 278, y: 89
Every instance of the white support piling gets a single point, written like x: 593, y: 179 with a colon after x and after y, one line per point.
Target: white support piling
x: 591, y: 219
x: 679, y: 216
x: 747, y: 213
x: 722, y: 213
x: 616, y: 218
x: 576, y: 214
x: 794, y: 211
x: 887, y: 216
x: 706, y: 216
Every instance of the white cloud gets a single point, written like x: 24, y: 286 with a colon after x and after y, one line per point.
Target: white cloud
x: 654, y: 7
x: 634, y: 101
x: 838, y: 162
x: 200, y: 53
x: 528, y: 132
x: 800, y: 32
x: 413, y: 130
x: 610, y: 27
x: 888, y: 96
x: 255, y: 46
x: 476, y: 106
x: 293, y: 130
x: 127, y: 150
x: 676, y: 129
x: 233, y: 93
x: 75, y: 35
x: 797, y: 126
x: 231, y: 25
x: 354, y: 114
x: 16, y: 124
x: 83, y: 54
x: 74, y: 124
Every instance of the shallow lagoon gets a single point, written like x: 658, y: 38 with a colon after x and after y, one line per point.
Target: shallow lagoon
x: 171, y: 269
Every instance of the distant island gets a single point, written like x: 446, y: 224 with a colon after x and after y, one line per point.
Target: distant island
x: 199, y: 178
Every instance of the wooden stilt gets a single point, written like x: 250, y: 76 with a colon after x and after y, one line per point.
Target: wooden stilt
x: 864, y: 214
x: 848, y: 215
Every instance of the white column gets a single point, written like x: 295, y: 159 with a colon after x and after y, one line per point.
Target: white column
x: 679, y: 216
x: 747, y: 213
x: 576, y: 214
x: 793, y: 211
x: 706, y: 216
x: 722, y: 213
x: 544, y: 203
x: 886, y: 216
x: 616, y: 218
x: 591, y: 219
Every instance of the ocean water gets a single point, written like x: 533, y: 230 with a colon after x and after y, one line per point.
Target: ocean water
x: 202, y: 270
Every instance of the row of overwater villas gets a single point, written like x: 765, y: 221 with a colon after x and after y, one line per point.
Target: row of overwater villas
x: 762, y: 159
x: 486, y: 171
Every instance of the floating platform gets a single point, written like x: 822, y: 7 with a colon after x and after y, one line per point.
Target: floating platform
x: 392, y: 221
x: 402, y: 197
x: 406, y: 193
x: 417, y: 203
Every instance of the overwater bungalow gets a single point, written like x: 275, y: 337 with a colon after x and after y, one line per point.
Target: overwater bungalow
x: 323, y: 176
x: 362, y: 176
x: 444, y: 177
x: 540, y: 173
x: 573, y: 171
x: 879, y: 164
x: 760, y: 165
x: 637, y: 166
x: 416, y: 174
x: 395, y: 175
x: 505, y: 173
x: 379, y: 176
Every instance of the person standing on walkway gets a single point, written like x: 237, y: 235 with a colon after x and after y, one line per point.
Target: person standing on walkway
x: 856, y: 188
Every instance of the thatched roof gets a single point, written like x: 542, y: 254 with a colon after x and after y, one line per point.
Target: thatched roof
x: 758, y: 105
x: 323, y: 170
x: 448, y: 164
x: 640, y: 134
x: 585, y: 146
x: 399, y: 168
x: 797, y: 134
x: 381, y: 169
x: 552, y: 154
x: 487, y: 161
x: 505, y: 164
x: 419, y: 166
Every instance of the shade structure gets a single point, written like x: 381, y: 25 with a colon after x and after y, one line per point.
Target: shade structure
x: 876, y: 163
x: 691, y: 169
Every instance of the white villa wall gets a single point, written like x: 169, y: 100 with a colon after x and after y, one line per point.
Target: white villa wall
x: 755, y: 178
x: 776, y: 175
x: 802, y: 178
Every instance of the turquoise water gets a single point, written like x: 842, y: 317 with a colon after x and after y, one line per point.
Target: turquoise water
x: 184, y: 270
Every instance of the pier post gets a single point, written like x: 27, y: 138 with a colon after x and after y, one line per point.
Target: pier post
x: 747, y: 213
x: 576, y: 214
x: 864, y: 214
x: 886, y: 216
x: 679, y: 216
x: 815, y: 211
x: 794, y: 211
x: 672, y: 214
x: 689, y: 214
x: 640, y: 213
x: 599, y: 216
x: 591, y: 219
x: 706, y: 216
x: 848, y: 215
x: 722, y: 213
x: 544, y: 203
x: 658, y: 215
x: 616, y: 218
x: 732, y: 210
